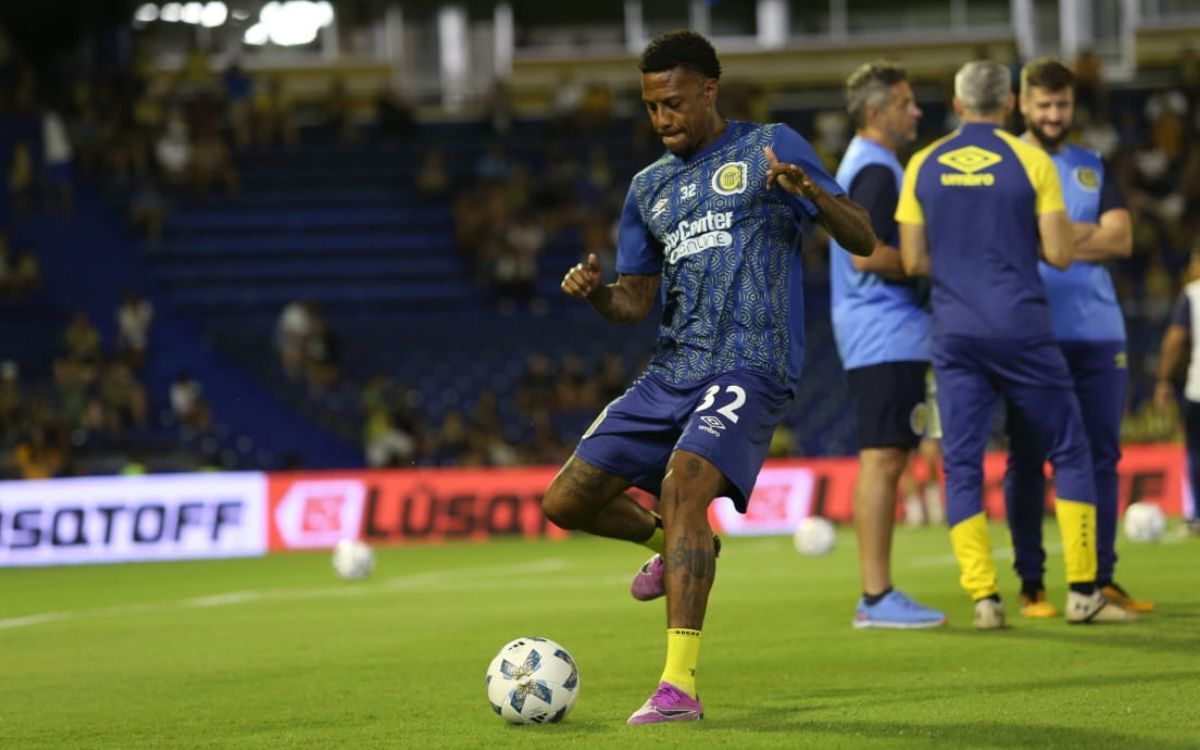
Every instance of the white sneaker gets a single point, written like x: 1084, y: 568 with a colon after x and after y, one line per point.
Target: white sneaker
x: 989, y: 614
x: 1094, y: 607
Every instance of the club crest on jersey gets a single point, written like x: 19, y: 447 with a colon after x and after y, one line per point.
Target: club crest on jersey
x: 730, y: 178
x: 1086, y: 178
x: 968, y: 160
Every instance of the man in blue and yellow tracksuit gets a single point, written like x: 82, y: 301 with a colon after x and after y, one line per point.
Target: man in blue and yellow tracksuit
x: 974, y: 208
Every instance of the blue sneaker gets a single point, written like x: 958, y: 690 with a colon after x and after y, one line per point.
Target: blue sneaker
x: 896, y: 610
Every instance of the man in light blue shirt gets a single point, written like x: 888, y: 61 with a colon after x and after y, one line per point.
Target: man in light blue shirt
x: 881, y: 321
x: 1090, y: 329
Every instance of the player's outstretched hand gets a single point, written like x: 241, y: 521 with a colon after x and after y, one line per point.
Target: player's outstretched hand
x: 583, y: 278
x: 789, y: 177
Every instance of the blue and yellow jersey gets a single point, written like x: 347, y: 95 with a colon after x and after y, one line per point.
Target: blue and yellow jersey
x: 1083, y: 303
x: 978, y: 192
x: 728, y: 252
x: 875, y: 320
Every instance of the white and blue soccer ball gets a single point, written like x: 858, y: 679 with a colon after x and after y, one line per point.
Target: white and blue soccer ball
x: 814, y: 536
x: 532, y: 681
x: 353, y: 560
x: 1145, y: 522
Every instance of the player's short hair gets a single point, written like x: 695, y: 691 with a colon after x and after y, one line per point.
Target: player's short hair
x: 871, y: 86
x: 680, y: 49
x: 983, y: 86
x: 1046, y: 73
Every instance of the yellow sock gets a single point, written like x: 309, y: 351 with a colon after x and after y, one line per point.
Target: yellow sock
x: 1077, y: 525
x: 657, y: 542
x: 683, y: 653
x: 973, y: 548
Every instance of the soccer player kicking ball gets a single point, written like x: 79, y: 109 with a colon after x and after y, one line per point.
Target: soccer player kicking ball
x: 1090, y: 329
x: 881, y: 323
x: 715, y: 223
x: 973, y: 209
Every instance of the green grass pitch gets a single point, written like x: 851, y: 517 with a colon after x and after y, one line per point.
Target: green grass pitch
x: 277, y: 653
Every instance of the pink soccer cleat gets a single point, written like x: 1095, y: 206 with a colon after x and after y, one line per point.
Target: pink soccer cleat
x: 648, y: 584
x: 668, y: 703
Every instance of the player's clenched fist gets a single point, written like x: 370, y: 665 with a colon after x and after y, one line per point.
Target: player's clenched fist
x: 583, y: 278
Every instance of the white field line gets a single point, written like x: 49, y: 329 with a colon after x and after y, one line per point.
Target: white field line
x: 450, y: 579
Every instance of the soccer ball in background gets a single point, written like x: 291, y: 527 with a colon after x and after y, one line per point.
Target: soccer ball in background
x: 353, y: 559
x: 1144, y: 522
x: 814, y: 536
x: 532, y: 681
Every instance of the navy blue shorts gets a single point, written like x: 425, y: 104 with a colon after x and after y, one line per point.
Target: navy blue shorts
x: 889, y: 400
x: 728, y: 419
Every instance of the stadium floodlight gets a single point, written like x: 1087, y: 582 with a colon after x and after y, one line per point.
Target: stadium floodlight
x: 214, y: 15
x: 256, y: 35
x: 171, y: 12
x: 146, y: 13
x: 192, y: 13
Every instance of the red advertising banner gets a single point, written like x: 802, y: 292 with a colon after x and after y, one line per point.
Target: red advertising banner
x: 315, y: 510
x: 402, y: 506
x: 792, y: 489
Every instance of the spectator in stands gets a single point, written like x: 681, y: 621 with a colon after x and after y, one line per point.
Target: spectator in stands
x: 239, y: 102
x: 134, y: 316
x: 515, y: 267
x: 494, y: 165
x: 321, y: 354
x: 386, y: 443
x: 188, y: 403
x: 454, y: 439
x: 57, y: 157
x: 125, y: 397
x: 21, y: 178
x: 432, y: 180
x: 292, y: 330
x: 26, y: 273
x: 10, y: 396
x: 40, y: 456
x: 82, y: 339
x: 212, y: 162
x: 273, y: 118
x: 72, y: 381
x: 173, y: 151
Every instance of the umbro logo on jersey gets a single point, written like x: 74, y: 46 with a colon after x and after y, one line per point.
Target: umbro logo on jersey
x: 967, y: 161
x: 659, y: 207
x: 714, y: 422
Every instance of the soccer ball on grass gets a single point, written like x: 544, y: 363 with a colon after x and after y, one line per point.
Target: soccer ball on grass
x: 814, y: 536
x: 353, y: 559
x: 532, y: 681
x: 1144, y: 522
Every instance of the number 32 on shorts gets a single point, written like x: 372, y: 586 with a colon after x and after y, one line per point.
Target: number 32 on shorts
x: 729, y: 410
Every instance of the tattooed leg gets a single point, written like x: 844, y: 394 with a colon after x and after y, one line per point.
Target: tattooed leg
x: 585, y: 498
x: 690, y: 485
